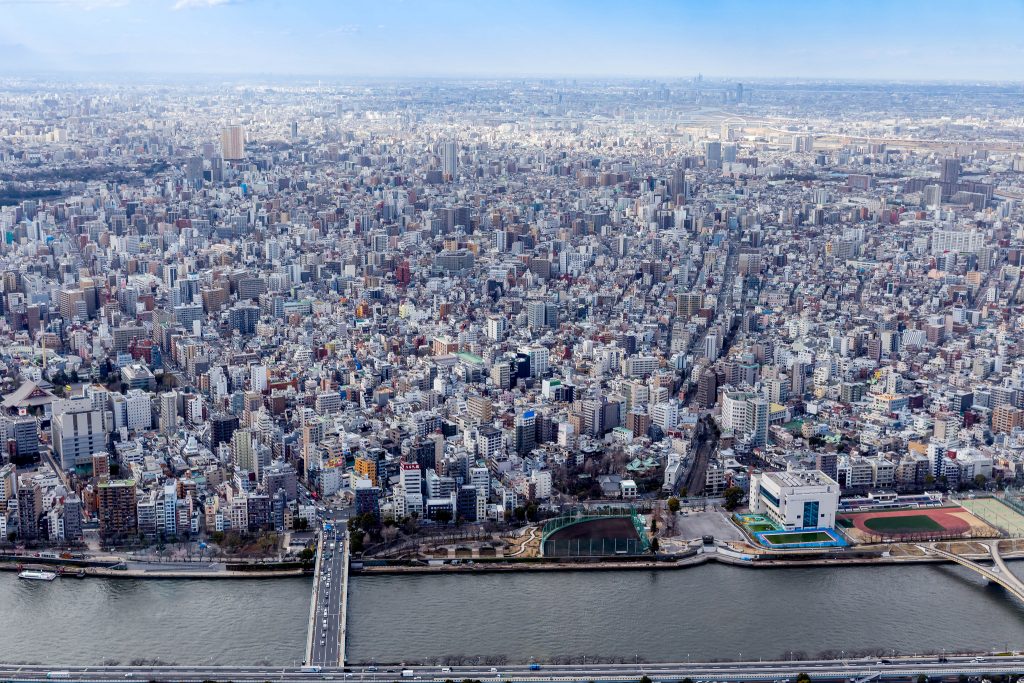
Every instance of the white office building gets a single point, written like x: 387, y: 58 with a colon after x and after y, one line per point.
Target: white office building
x: 133, y: 411
x: 77, y: 431
x: 804, y: 499
x: 258, y: 378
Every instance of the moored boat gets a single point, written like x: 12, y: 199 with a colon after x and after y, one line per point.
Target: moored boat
x: 37, y: 575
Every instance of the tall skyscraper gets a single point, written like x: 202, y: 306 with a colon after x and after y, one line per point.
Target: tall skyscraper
x: 450, y: 159
x: 713, y: 154
x: 232, y: 143
x: 950, y: 170
x: 168, y: 412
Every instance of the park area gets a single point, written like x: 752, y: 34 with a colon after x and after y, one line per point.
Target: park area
x: 919, y: 524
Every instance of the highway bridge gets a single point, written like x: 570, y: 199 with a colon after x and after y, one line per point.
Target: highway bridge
x: 899, y: 668
x: 998, y: 573
x: 325, y: 638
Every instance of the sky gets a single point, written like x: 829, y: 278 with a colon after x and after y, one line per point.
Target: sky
x: 844, y: 39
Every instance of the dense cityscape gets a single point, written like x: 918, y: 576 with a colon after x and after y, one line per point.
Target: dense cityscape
x: 341, y: 331
x: 556, y: 296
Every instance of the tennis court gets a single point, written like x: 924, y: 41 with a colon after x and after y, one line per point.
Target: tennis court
x: 997, y: 513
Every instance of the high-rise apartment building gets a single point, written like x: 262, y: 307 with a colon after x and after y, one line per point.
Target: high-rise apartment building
x: 450, y: 159
x: 77, y: 431
x: 116, y: 506
x: 168, y: 412
x: 232, y: 143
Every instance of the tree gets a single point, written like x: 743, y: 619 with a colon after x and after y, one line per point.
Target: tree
x: 673, y: 505
x: 306, y: 554
x: 357, y: 541
x: 646, y: 679
x: 654, y: 525
x: 655, y: 545
x: 531, y: 512
x: 979, y: 480
x: 803, y: 678
x: 443, y: 516
x: 733, y: 495
x: 922, y: 678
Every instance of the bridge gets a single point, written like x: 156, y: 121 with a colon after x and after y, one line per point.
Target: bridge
x: 998, y: 573
x: 904, y: 668
x: 328, y: 609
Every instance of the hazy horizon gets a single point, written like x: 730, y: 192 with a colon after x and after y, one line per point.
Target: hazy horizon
x: 867, y: 41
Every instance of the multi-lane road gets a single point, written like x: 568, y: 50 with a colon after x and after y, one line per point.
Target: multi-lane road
x: 903, y: 668
x: 329, y: 610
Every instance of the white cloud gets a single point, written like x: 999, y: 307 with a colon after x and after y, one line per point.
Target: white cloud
x: 81, y: 4
x: 200, y: 4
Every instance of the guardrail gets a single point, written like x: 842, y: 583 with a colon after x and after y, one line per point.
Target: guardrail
x: 343, y: 626
x: 311, y: 629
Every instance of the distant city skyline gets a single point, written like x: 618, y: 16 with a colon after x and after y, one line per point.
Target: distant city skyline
x: 657, y: 39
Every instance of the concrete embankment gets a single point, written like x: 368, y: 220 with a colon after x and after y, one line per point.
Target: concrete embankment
x: 155, y: 573
x: 724, y: 556
x: 663, y: 563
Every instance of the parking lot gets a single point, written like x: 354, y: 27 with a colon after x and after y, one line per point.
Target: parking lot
x: 713, y: 523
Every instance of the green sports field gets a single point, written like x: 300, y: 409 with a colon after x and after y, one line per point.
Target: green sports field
x: 785, y: 537
x: 906, y: 524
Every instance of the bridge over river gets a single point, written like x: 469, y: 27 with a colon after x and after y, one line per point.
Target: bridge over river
x: 325, y: 638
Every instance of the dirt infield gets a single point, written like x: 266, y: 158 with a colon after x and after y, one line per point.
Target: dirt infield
x: 915, y: 525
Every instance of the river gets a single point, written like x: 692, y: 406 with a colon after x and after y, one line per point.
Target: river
x: 95, y: 621
x: 711, y: 611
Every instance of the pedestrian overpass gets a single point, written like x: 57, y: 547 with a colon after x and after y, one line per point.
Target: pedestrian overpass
x: 998, y: 573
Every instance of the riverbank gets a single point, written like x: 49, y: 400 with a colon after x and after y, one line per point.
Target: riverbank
x: 663, y: 563
x: 155, y: 573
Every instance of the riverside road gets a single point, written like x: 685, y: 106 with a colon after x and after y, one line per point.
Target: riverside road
x: 892, y: 669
